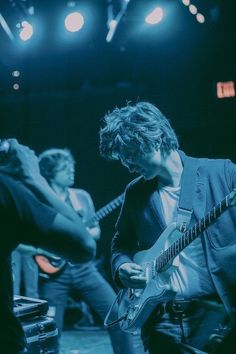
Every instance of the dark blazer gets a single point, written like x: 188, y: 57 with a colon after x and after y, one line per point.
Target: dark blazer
x: 140, y: 223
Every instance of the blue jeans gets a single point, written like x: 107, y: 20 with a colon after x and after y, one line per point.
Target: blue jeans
x: 91, y: 288
x: 25, y: 271
x: 167, y: 334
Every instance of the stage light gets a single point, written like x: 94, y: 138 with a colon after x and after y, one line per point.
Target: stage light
x: 200, y: 18
x: 16, y: 87
x: 193, y: 9
x: 15, y: 73
x: 74, y: 22
x: 155, y: 16
x: 26, y: 31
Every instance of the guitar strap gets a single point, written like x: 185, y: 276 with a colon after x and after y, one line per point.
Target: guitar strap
x: 188, y: 182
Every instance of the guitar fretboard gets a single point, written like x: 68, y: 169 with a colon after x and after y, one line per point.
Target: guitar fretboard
x: 190, y: 235
x: 104, y: 211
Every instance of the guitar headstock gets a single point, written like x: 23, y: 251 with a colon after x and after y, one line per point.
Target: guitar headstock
x: 232, y: 197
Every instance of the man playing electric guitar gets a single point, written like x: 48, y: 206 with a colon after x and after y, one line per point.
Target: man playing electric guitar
x: 192, y: 279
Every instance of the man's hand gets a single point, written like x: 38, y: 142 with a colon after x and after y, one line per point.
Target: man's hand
x: 131, y: 275
x: 21, y: 163
x: 95, y: 232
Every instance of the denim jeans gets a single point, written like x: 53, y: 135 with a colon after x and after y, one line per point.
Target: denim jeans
x: 164, y: 335
x: 25, y: 270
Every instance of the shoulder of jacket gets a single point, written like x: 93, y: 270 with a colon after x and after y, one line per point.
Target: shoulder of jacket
x: 213, y: 163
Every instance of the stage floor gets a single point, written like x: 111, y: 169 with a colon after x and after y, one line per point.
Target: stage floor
x: 85, y: 342
x: 91, y: 341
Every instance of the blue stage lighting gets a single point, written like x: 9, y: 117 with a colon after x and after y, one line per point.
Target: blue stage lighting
x: 74, y: 22
x: 26, y: 31
x: 155, y: 16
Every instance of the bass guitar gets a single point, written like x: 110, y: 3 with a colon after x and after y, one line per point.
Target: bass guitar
x: 136, y: 305
x: 52, y: 265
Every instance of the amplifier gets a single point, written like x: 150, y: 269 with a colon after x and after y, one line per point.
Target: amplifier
x: 41, y: 335
x: 40, y: 330
x: 26, y: 307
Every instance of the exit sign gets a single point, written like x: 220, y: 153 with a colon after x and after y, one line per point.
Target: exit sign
x: 225, y: 89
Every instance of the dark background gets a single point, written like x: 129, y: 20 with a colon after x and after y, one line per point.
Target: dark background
x: 68, y: 81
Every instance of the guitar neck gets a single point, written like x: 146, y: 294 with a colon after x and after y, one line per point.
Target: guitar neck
x: 190, y: 235
x: 104, y: 211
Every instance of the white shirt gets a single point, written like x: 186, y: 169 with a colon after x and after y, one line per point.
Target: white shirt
x: 191, y: 278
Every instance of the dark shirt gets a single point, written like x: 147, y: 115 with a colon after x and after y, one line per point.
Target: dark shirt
x: 23, y: 219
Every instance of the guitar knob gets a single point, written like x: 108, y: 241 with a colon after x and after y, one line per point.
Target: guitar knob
x: 137, y: 294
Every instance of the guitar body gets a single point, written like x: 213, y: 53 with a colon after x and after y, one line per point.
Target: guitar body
x: 50, y: 266
x: 138, y: 304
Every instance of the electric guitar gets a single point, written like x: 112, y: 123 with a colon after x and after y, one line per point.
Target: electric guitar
x: 136, y: 305
x: 50, y: 265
